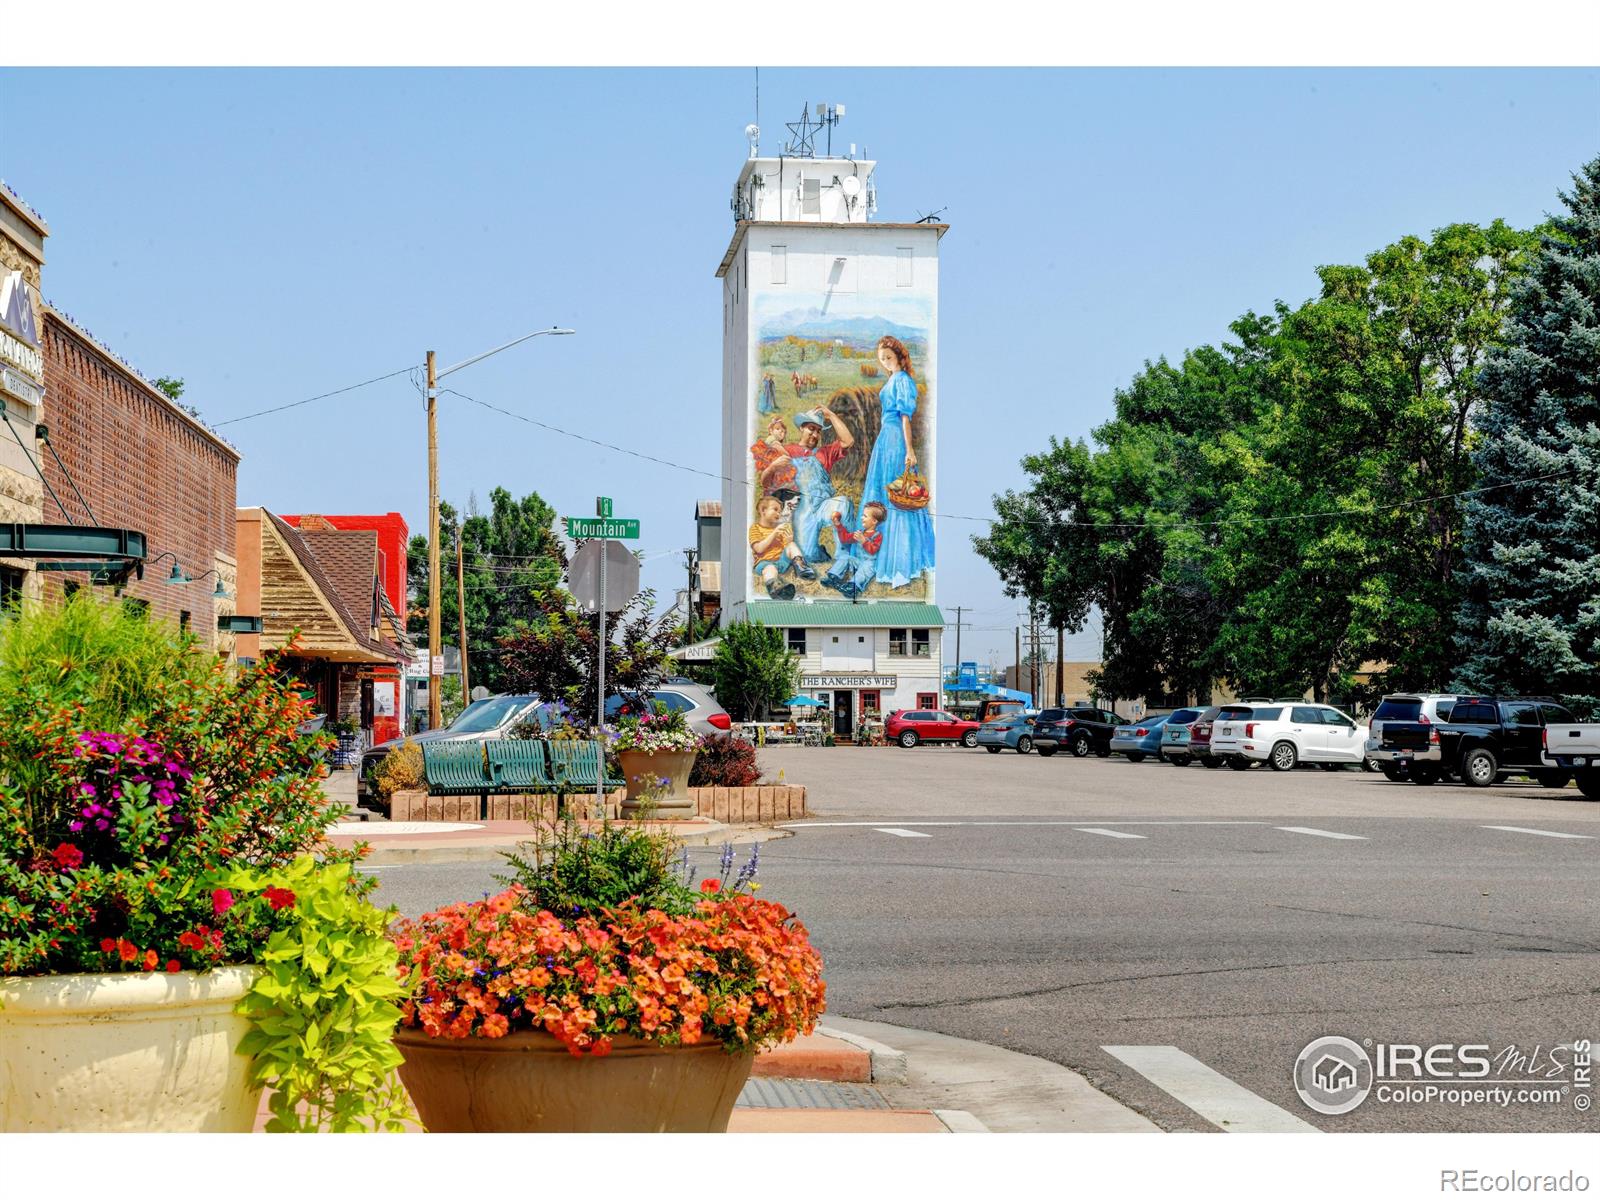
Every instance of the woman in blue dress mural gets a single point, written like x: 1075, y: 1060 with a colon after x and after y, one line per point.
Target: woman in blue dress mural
x: 907, y: 549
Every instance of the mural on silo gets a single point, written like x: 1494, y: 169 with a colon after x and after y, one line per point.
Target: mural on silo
x: 842, y: 418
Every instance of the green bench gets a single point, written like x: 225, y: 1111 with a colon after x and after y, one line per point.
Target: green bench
x: 513, y: 766
x: 454, y: 768
x: 520, y: 766
x: 577, y: 766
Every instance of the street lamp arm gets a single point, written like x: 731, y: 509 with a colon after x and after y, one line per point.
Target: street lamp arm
x: 497, y: 349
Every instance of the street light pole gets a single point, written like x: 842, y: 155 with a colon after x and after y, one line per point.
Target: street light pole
x: 435, y: 650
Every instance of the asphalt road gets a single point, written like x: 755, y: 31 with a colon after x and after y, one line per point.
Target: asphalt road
x: 1058, y: 907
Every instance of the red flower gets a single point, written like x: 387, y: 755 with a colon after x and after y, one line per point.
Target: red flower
x: 108, y: 944
x: 709, y: 885
x: 279, y: 898
x: 127, y: 950
x: 174, y: 966
x: 221, y: 901
x: 67, y: 856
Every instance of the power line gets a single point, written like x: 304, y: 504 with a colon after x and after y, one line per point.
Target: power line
x: 309, y: 399
x: 1040, y: 520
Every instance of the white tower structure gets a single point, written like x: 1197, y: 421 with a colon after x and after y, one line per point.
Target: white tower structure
x: 830, y: 396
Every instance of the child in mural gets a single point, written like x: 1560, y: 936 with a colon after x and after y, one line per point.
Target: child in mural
x: 907, y: 549
x: 856, y: 564
x: 770, y: 448
x: 767, y: 401
x: 773, y: 549
x: 812, y: 462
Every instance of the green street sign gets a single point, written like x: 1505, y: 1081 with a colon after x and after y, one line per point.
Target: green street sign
x: 602, y: 506
x: 602, y: 527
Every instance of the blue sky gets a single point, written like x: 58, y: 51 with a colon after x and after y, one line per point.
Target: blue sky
x: 269, y: 235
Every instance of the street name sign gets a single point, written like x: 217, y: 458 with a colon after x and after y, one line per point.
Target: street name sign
x: 602, y: 527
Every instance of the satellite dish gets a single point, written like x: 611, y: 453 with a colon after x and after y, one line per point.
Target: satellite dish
x: 851, y: 185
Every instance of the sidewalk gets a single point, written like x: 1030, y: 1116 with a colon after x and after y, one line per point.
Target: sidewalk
x: 866, y: 1077
x: 485, y: 841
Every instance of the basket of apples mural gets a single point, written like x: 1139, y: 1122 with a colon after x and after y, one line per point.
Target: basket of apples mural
x: 910, y: 491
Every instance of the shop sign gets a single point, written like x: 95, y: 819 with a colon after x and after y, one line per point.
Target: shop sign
x: 15, y: 383
x: 19, y: 338
x: 848, y: 681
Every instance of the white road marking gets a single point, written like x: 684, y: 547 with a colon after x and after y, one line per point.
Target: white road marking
x: 952, y: 824
x: 1344, y: 837
x: 1214, y: 1096
x: 902, y: 832
x: 1540, y: 832
x: 380, y: 866
x: 1117, y: 833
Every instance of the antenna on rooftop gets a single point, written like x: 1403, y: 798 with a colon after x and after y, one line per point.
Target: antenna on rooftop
x: 803, y: 133
x: 931, y: 218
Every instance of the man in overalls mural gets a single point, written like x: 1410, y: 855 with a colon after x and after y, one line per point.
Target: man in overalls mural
x: 812, y: 462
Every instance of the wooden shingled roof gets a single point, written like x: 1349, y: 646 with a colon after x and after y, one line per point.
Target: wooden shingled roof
x: 323, y: 583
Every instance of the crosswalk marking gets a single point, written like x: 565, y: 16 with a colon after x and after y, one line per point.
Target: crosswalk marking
x: 1214, y: 1096
x: 1540, y: 832
x: 1345, y: 837
x: 902, y: 832
x: 1116, y: 833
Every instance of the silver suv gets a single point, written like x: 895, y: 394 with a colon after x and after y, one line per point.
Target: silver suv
x: 1425, y: 708
x: 695, y: 701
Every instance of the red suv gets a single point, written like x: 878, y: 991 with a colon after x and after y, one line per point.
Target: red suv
x: 910, y: 726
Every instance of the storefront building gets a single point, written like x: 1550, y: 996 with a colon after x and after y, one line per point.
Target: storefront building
x: 91, y: 445
x: 323, y: 609
x: 830, y: 448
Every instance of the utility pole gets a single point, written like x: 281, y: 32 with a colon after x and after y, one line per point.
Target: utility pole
x: 1061, y: 670
x: 691, y: 558
x: 461, y: 610
x: 1018, y: 658
x: 434, y: 635
x: 958, y: 642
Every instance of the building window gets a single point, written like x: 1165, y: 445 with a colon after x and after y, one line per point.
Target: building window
x: 797, y: 641
x: 135, y: 607
x: 925, y: 699
x: 920, y: 647
x: 897, y: 642
x: 10, y: 585
x: 780, y: 264
x: 183, y: 623
x: 902, y: 266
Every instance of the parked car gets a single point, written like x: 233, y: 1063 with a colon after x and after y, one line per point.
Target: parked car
x: 1285, y: 735
x: 1577, y: 748
x: 1083, y: 731
x: 991, y: 709
x: 1175, y: 735
x: 1200, y: 731
x: 483, y: 720
x: 1485, y: 739
x: 1138, y: 742
x: 1425, y: 708
x: 1012, y: 732
x: 695, y: 701
x: 909, y: 727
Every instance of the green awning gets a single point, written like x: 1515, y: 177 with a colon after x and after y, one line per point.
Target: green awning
x: 836, y: 613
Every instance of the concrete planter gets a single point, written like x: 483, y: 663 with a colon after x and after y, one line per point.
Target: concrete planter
x: 528, y: 1082
x: 138, y: 1053
x: 643, y: 769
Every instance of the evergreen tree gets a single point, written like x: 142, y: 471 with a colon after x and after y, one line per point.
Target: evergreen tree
x: 1530, y: 622
x: 754, y: 669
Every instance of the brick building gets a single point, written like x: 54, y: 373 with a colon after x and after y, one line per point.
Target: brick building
x: 140, y: 461
x: 91, y: 445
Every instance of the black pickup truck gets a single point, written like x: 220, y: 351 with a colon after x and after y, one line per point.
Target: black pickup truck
x: 1485, y: 739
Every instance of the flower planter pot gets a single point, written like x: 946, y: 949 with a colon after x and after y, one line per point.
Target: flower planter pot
x: 126, y: 1053
x: 528, y: 1082
x: 644, y: 769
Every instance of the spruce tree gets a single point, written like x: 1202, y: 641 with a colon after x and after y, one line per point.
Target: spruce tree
x: 1530, y: 620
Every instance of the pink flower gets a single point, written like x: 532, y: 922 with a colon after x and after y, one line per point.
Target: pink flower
x: 221, y: 901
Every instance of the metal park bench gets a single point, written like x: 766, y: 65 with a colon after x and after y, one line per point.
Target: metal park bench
x: 520, y: 766
x: 454, y: 768
x: 577, y: 766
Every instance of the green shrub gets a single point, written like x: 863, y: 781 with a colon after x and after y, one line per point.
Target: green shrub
x: 574, y: 872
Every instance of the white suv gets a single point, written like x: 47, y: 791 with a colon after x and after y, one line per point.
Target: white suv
x: 1422, y: 708
x: 1285, y: 735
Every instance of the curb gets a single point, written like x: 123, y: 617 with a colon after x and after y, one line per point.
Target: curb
x: 493, y: 851
x: 958, y: 1120
x: 888, y: 1065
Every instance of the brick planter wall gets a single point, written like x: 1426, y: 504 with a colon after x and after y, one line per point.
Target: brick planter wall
x: 735, y: 806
